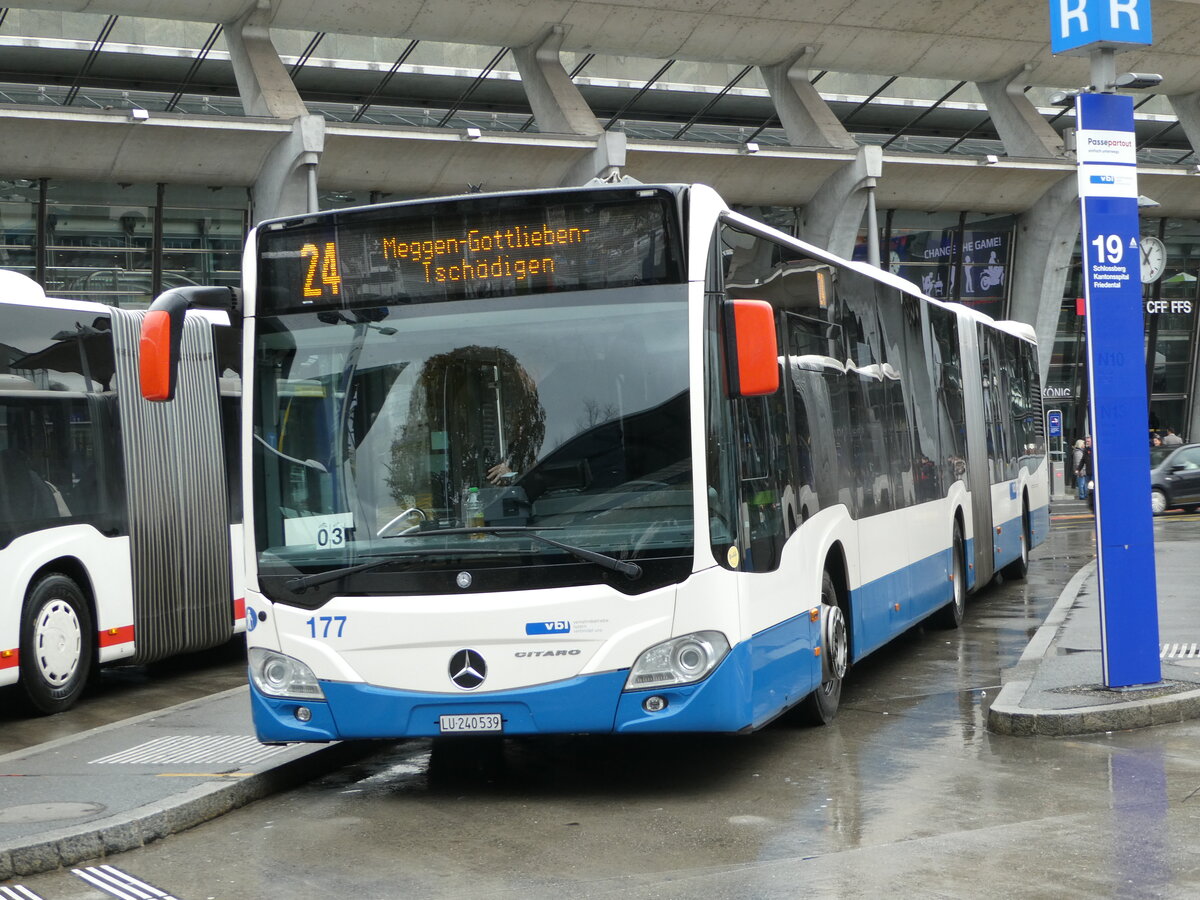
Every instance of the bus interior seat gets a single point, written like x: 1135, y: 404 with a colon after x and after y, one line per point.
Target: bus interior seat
x: 27, y: 496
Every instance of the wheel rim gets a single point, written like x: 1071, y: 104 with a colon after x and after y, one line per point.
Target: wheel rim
x: 960, y: 580
x: 836, y: 655
x: 1158, y: 502
x: 57, y: 643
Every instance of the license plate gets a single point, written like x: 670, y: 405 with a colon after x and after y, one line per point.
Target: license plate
x: 469, y: 723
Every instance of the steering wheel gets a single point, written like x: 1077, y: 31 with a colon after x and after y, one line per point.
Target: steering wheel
x: 644, y: 483
x: 404, y: 515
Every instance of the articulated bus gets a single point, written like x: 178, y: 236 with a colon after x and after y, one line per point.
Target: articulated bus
x: 118, y: 540
x: 606, y: 459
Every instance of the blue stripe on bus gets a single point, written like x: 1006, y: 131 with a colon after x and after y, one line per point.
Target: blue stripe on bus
x: 1039, y: 524
x: 918, y: 589
x: 761, y: 676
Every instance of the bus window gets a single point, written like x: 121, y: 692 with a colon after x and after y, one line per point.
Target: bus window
x: 867, y: 393
x: 948, y: 395
x: 60, y: 458
x: 898, y: 386
x: 919, y: 399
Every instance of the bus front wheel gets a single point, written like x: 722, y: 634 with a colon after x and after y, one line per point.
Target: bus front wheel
x: 56, y: 647
x: 820, y: 707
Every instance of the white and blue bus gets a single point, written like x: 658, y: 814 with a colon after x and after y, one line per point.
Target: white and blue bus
x: 120, y: 535
x: 607, y: 459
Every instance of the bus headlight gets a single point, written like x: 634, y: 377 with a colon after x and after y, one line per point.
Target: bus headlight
x: 681, y: 660
x: 281, y: 676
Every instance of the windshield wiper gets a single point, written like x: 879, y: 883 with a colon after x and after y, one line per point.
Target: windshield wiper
x: 630, y: 570
x: 301, y: 583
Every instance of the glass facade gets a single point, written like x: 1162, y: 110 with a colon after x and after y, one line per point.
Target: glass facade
x: 1172, y: 336
x: 121, y: 244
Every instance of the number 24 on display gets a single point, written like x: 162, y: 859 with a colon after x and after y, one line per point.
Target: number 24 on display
x: 324, y: 624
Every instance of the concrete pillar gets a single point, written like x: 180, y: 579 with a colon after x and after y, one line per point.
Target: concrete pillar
x: 604, y: 162
x: 286, y: 183
x: 557, y: 105
x: 1187, y: 108
x: 264, y: 84
x: 805, y: 117
x: 831, y: 219
x: 1022, y: 129
x: 1046, y: 235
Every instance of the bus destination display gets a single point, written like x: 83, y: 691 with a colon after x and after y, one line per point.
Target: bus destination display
x: 464, y: 249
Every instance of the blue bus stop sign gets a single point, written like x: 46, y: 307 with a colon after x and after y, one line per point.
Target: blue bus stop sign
x: 1054, y: 423
x: 1117, y: 372
x: 1080, y: 25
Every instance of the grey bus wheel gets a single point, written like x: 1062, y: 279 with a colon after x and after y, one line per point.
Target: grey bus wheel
x: 57, y: 644
x: 821, y: 706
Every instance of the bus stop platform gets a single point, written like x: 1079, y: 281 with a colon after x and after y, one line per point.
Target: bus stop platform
x: 123, y: 785
x: 1057, y: 686
x: 120, y: 786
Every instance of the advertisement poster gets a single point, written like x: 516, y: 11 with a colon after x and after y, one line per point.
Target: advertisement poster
x: 930, y: 259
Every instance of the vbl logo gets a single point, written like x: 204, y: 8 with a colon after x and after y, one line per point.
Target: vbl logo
x: 556, y: 627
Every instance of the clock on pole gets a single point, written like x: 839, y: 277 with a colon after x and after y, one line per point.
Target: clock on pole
x: 1154, y: 258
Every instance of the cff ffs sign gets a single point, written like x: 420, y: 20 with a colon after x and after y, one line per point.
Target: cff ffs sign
x: 1083, y: 24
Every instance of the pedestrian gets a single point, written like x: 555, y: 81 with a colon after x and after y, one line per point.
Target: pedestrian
x: 1085, y: 469
x: 1171, y: 439
x: 1076, y: 464
x: 1155, y: 441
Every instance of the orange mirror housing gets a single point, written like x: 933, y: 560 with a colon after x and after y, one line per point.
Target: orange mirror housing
x: 753, y: 357
x: 158, y: 347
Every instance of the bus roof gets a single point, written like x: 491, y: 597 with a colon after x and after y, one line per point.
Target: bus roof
x: 19, y: 289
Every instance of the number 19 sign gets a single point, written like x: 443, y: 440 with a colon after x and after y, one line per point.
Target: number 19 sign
x: 1106, y: 150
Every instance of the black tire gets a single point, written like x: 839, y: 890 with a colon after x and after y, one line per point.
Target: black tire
x: 1019, y: 567
x: 951, y: 615
x: 58, y: 644
x: 821, y: 706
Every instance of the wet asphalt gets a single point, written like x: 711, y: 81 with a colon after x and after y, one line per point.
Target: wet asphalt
x: 906, y: 794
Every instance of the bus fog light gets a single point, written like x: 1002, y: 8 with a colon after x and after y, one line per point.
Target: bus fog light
x: 654, y: 704
x: 303, y: 714
x: 278, y: 675
x: 681, y: 660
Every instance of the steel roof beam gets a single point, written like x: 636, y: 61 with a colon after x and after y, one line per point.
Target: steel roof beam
x: 383, y: 82
x: 105, y: 31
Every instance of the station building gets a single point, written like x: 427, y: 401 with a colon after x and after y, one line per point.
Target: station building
x: 138, y: 141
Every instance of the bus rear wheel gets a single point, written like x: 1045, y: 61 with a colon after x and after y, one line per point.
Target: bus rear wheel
x: 951, y: 615
x: 57, y: 644
x: 820, y: 707
x: 1017, y: 569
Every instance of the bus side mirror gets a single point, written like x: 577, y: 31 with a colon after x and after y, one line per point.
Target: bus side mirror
x: 752, y: 348
x: 158, y: 348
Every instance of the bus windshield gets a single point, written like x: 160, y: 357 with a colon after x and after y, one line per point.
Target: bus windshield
x: 377, y: 428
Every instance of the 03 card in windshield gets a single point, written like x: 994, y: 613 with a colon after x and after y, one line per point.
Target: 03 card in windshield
x: 470, y: 248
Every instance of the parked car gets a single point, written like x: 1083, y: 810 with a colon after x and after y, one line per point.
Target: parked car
x: 1175, y: 478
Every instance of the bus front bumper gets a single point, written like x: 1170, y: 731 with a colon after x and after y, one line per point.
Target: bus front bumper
x: 595, y: 704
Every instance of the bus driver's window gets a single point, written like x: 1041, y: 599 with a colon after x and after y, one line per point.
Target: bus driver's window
x: 482, y: 422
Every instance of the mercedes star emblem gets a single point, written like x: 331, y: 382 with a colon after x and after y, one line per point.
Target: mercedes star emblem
x: 467, y: 669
